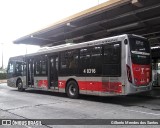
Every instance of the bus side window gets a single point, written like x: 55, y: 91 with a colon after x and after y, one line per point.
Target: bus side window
x: 44, y: 67
x: 69, y: 62
x: 96, y: 60
x: 85, y: 55
x: 10, y: 67
x: 87, y: 64
x: 19, y: 68
x: 64, y: 63
x: 37, y: 67
x: 73, y: 59
x: 40, y: 66
x: 90, y: 60
x: 112, y: 59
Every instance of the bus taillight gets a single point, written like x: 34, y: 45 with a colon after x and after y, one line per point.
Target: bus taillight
x: 129, y: 74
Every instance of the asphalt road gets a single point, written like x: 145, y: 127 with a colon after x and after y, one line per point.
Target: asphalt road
x: 33, y: 104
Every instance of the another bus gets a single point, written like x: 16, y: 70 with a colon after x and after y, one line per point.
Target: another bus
x: 156, y: 72
x: 119, y: 65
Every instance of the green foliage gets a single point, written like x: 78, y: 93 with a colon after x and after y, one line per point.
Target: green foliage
x: 3, y: 76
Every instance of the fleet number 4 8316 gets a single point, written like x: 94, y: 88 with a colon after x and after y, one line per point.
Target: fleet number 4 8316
x: 89, y: 71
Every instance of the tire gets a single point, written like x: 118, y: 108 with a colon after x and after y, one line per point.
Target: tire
x: 20, y: 86
x: 72, y: 89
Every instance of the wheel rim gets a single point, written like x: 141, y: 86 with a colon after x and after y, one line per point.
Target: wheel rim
x: 20, y: 85
x: 72, y: 90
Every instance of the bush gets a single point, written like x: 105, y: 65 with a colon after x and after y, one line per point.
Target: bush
x: 3, y: 76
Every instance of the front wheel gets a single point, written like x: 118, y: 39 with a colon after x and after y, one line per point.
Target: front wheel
x: 72, y: 89
x: 20, y: 86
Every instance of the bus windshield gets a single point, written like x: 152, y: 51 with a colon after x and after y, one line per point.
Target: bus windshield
x: 140, y: 51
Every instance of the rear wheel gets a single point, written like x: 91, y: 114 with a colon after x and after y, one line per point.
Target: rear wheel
x: 72, y: 89
x: 20, y: 86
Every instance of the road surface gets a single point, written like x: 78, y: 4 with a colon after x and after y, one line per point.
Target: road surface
x: 33, y: 104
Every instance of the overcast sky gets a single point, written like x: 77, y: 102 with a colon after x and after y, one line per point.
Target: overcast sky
x: 22, y: 17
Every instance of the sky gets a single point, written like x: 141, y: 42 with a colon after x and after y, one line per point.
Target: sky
x: 22, y: 17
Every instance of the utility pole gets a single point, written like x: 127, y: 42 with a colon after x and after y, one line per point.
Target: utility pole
x: 2, y: 55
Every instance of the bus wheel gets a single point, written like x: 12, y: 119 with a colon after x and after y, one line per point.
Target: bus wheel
x: 20, y: 86
x: 72, y: 89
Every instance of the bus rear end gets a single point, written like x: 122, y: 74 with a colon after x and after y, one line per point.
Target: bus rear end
x: 138, y: 65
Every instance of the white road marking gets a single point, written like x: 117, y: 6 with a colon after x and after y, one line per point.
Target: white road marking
x: 149, y: 113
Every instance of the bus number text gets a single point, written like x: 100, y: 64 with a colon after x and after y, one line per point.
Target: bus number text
x: 88, y: 71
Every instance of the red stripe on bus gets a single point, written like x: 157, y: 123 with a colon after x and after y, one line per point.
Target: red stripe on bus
x: 43, y: 83
x: 112, y: 87
x: 61, y: 84
x: 101, y: 86
x: 96, y: 86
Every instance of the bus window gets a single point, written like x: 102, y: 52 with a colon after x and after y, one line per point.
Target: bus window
x: 69, y: 62
x: 85, y: 55
x: 111, y: 53
x: 96, y: 60
x: 73, y: 59
x: 10, y: 67
x: 37, y: 67
x: 140, y: 51
x: 112, y: 59
x: 63, y: 61
x: 19, y: 68
x: 44, y: 66
x: 40, y: 66
x: 91, y: 60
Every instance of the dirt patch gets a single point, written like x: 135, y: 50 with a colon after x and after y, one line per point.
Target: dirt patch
x: 3, y: 81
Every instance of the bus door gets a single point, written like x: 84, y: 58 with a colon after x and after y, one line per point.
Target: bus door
x: 53, y: 71
x: 11, y: 74
x: 30, y: 72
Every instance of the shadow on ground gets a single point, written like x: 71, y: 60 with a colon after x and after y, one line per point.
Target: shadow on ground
x: 130, y: 100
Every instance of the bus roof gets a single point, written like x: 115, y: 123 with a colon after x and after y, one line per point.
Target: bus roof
x: 17, y: 58
x: 79, y: 45
x: 47, y: 50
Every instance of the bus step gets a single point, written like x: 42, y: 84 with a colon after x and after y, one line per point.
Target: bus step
x: 54, y: 88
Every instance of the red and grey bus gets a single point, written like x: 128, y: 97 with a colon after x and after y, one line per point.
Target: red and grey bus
x: 119, y: 65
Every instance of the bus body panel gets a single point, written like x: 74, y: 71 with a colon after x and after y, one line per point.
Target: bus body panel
x: 40, y: 82
x: 12, y: 82
x: 140, y: 74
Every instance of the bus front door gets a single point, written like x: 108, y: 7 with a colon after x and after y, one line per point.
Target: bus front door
x: 30, y: 73
x: 53, y: 71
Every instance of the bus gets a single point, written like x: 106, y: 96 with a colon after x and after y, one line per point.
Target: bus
x: 156, y: 72
x: 119, y: 65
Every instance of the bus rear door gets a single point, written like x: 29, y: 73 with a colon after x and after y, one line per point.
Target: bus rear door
x: 53, y: 71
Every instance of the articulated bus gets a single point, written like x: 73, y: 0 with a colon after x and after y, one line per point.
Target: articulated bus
x: 119, y: 65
